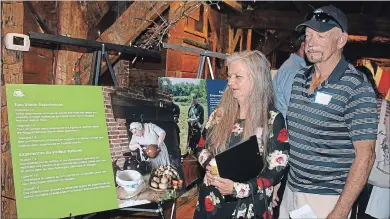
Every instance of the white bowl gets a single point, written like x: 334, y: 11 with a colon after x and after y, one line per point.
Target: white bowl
x: 130, y: 180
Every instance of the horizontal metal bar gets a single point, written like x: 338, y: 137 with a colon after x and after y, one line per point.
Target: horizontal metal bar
x: 89, y: 216
x: 140, y: 210
x: 198, y: 51
x: 92, y: 44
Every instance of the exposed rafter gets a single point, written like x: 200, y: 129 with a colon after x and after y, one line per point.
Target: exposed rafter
x: 125, y: 30
x: 95, y: 11
x: 358, y: 50
x: 234, y: 4
x: 38, y: 19
x: 286, y: 20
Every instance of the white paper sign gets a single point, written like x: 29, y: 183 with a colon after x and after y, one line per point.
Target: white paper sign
x: 304, y: 212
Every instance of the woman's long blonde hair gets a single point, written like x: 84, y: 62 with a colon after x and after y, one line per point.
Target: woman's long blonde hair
x: 260, y: 99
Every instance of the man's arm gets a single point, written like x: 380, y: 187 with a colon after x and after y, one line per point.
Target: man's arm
x: 357, y: 178
x: 361, y: 118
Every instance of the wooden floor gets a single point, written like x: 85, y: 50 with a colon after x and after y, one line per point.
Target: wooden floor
x: 186, y: 211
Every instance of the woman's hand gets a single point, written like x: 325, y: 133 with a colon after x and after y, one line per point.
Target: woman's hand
x: 275, y: 197
x: 225, y: 186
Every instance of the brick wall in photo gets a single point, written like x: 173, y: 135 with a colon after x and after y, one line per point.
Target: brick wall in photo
x: 117, y: 129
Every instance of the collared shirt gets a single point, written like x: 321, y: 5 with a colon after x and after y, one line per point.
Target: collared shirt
x: 323, y: 126
x: 283, y: 80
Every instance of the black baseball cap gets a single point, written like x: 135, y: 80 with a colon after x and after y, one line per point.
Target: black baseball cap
x: 324, y: 19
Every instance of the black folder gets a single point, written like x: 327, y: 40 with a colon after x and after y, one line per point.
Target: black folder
x: 241, y: 162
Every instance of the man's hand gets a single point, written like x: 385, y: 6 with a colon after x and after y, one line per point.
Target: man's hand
x: 357, y: 178
x: 225, y: 186
x: 337, y: 215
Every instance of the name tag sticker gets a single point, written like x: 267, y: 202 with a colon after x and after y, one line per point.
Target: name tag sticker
x: 322, y: 98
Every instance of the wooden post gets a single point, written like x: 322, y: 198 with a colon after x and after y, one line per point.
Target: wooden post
x: 273, y: 62
x: 241, y: 38
x: 249, y: 40
x: 71, y: 23
x: 12, y: 15
x: 233, y: 39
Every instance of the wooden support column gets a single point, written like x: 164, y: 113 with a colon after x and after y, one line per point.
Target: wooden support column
x: 125, y: 30
x: 71, y: 23
x: 224, y: 37
x: 249, y: 40
x: 38, y: 62
x: 233, y: 40
x: 12, y: 15
x: 214, y: 19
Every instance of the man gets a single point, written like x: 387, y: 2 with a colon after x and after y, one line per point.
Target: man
x: 332, y: 123
x: 195, y: 122
x: 282, y: 84
x: 283, y: 79
x: 176, y: 158
x: 176, y: 116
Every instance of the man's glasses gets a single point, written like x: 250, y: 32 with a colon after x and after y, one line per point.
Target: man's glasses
x: 323, y: 17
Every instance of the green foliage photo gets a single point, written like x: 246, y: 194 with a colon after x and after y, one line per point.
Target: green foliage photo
x: 182, y: 88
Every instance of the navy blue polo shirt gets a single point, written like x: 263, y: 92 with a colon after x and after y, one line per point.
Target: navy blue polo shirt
x: 324, y: 124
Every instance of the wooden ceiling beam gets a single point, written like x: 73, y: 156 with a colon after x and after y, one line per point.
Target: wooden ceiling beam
x: 38, y: 19
x: 126, y: 29
x: 357, y: 50
x: 286, y: 20
x: 303, y: 7
x: 234, y: 4
x: 95, y: 11
x: 47, y: 11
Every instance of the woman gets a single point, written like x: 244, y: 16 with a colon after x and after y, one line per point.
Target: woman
x: 147, y: 134
x: 247, y: 109
x: 378, y: 190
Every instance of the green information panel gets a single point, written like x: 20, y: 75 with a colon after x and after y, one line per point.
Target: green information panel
x: 60, y: 150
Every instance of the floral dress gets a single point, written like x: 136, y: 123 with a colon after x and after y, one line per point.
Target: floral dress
x: 211, y: 204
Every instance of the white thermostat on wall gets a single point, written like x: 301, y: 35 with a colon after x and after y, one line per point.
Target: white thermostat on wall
x: 17, y: 41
